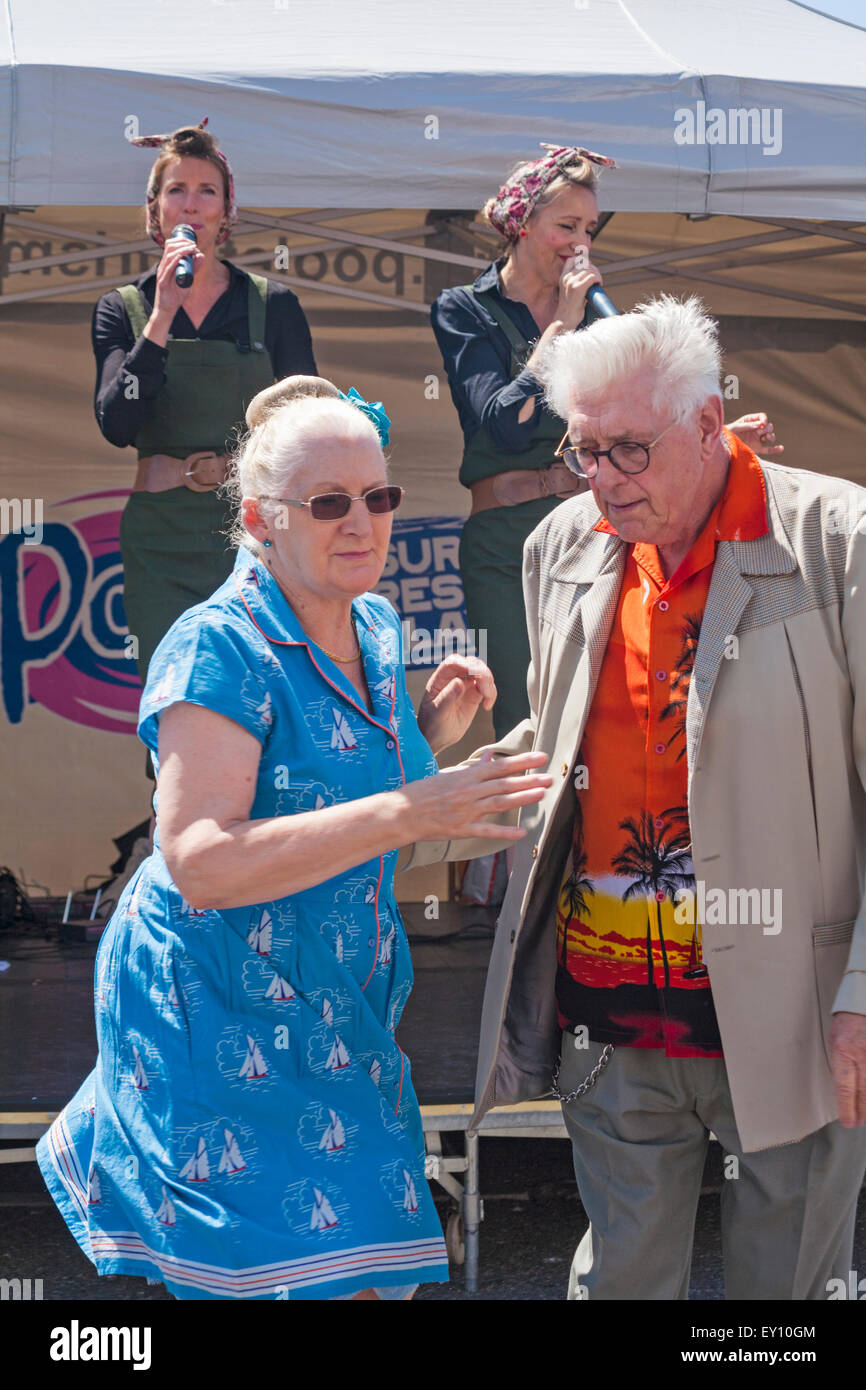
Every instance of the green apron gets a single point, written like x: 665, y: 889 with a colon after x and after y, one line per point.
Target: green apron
x: 174, y: 544
x: 491, y: 544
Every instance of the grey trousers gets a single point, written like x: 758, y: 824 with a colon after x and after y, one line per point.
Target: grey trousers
x: 640, y: 1139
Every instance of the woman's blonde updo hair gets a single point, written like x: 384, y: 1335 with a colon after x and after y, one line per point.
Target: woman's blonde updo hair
x: 283, y: 424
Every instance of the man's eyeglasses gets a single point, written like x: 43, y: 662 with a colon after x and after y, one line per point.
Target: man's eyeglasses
x: 332, y: 506
x: 627, y: 456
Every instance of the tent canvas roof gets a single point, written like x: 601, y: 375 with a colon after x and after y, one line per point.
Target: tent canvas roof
x: 323, y: 104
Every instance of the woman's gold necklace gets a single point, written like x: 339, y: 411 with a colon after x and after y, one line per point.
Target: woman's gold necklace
x: 343, y: 660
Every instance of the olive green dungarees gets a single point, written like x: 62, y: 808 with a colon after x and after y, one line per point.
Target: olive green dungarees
x: 491, y: 544
x: 173, y: 543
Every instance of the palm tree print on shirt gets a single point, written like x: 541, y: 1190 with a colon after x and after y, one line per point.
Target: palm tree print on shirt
x: 676, y: 707
x: 578, y: 890
x: 658, y: 861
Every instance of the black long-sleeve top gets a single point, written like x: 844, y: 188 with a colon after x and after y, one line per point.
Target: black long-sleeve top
x: 287, y: 340
x: 477, y: 357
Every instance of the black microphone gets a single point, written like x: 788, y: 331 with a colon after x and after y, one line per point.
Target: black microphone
x: 601, y: 304
x: 183, y: 271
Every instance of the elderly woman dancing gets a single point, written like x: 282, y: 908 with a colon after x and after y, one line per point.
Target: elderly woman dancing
x: 250, y: 1129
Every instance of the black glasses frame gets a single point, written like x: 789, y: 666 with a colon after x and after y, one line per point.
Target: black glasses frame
x: 570, y: 454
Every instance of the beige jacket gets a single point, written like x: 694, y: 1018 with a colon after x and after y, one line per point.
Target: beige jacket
x: 776, y: 748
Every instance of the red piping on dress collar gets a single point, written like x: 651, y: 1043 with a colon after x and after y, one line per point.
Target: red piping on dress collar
x: 286, y: 642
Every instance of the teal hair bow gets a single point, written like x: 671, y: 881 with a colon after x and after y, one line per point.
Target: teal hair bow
x: 374, y: 410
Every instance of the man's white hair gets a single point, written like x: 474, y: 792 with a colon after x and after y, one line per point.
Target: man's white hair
x: 675, y: 337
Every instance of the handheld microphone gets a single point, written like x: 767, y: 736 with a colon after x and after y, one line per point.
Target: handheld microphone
x: 184, y: 272
x: 596, y: 296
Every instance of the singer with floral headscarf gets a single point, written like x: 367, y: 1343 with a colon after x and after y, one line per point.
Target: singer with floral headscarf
x: 176, y: 369
x: 492, y: 335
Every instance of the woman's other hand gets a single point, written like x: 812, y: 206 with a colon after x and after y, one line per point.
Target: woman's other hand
x: 578, y: 276
x: 453, y: 693
x: 757, y: 433
x: 453, y: 804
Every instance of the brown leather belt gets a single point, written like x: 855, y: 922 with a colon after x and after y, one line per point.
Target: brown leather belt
x: 524, y: 485
x: 202, y: 471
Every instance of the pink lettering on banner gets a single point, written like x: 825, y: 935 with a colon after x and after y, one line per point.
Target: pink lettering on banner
x: 63, y: 633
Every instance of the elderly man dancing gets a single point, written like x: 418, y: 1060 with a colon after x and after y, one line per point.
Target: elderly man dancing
x: 685, y: 923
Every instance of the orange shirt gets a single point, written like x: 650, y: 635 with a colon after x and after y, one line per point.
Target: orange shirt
x: 627, y: 969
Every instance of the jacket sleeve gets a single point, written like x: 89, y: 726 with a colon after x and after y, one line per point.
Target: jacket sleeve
x: 851, y: 996
x: 479, y: 375
x: 520, y: 739
x: 129, y: 374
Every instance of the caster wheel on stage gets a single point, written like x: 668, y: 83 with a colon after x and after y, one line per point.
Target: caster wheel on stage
x: 455, y: 1242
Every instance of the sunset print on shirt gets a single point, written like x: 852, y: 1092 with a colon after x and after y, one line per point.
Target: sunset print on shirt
x: 625, y: 967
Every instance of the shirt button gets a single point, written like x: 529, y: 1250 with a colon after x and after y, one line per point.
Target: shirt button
x: 390, y: 743
x: 663, y: 605
x: 371, y: 941
x: 535, y: 851
x: 660, y: 747
x: 565, y: 769
x: 661, y: 675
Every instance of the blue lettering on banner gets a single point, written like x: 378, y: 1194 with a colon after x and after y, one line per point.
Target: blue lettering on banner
x: 422, y: 579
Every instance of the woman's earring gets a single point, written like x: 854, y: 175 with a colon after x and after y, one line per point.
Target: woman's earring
x: 267, y: 543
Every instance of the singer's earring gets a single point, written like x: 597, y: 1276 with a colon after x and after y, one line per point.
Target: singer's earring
x: 267, y: 543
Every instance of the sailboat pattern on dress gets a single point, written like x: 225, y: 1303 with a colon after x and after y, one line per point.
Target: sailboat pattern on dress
x: 275, y: 1021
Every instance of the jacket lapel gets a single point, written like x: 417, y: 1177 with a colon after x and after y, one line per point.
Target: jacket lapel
x: 592, y: 569
x: 581, y: 605
x: 729, y: 595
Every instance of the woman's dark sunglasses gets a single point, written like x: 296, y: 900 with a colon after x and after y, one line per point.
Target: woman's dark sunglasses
x: 331, y: 506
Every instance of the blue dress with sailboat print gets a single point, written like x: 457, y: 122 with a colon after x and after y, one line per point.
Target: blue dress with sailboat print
x: 250, y: 1129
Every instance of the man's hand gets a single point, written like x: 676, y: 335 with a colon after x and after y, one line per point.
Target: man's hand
x: 848, y: 1065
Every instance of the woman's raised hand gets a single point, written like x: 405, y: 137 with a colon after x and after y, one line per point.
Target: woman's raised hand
x: 169, y: 295
x: 452, y: 695
x: 578, y: 275
x: 453, y: 804
x: 757, y: 433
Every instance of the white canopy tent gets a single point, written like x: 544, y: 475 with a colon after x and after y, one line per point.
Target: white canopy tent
x: 327, y: 114
x: 413, y: 106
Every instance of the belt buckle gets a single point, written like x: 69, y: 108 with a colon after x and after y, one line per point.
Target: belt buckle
x: 562, y: 474
x: 190, y: 475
